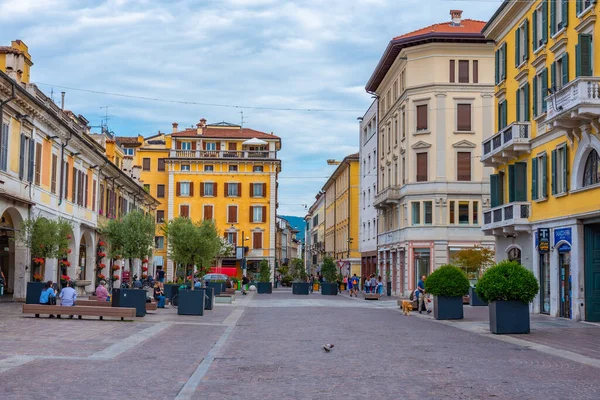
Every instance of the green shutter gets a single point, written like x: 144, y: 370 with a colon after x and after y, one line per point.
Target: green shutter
x: 518, y: 108
x: 534, y: 33
x: 517, y: 47
x: 585, y: 55
x: 544, y: 176
x: 544, y: 88
x: 578, y: 7
x: 535, y: 103
x: 565, y: 68
x: 553, y: 75
x: 534, y: 178
x: 494, y: 190
x: 520, y: 181
x: 552, y: 17
x: 497, y: 66
x: 545, y: 21
x: 526, y: 97
x: 577, y: 61
x: 565, y: 13
x: 565, y: 170
x: 511, y: 183
x: 505, y: 63
x: 500, y: 188
x: 526, y: 40
x: 504, y: 112
x: 553, y: 166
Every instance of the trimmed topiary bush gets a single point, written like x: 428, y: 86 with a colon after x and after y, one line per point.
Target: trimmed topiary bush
x: 507, y: 280
x: 447, y: 281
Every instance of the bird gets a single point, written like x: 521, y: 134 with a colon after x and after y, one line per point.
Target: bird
x: 327, y: 347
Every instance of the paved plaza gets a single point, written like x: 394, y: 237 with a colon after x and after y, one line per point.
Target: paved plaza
x: 269, y: 347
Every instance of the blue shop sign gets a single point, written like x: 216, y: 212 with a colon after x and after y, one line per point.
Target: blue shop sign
x: 564, y: 235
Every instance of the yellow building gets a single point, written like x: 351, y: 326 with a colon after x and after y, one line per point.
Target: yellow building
x: 214, y: 171
x: 342, y: 215
x: 545, y: 150
x: 15, y: 61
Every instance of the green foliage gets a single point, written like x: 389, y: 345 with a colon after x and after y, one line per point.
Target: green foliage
x: 211, y: 245
x: 264, y: 271
x: 46, y: 238
x: 507, y: 280
x: 286, y: 280
x: 298, y: 271
x: 283, y: 270
x: 474, y: 261
x: 448, y: 281
x: 114, y: 233
x: 139, y: 230
x: 329, y: 270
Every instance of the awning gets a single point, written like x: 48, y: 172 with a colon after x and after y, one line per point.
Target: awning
x: 229, y: 271
x: 254, y: 142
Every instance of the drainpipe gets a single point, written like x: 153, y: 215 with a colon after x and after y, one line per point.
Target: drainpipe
x: 349, y: 216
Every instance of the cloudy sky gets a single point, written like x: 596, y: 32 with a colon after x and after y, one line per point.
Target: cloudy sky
x: 260, y: 54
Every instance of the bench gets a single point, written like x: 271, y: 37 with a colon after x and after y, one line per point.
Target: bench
x: 95, y: 311
x: 229, y: 291
x: 92, y: 297
x: 224, y: 299
x: 371, y: 296
x: 95, y: 303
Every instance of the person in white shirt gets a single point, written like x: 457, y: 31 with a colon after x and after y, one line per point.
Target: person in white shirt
x: 68, y: 296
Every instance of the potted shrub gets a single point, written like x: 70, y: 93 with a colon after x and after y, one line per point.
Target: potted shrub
x: 286, y: 281
x: 448, y: 284
x: 264, y: 285
x: 508, y: 287
x: 329, y: 271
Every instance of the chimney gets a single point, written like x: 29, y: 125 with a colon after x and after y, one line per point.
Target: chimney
x: 175, y: 125
x: 456, y: 17
x: 62, y: 101
x: 200, y: 126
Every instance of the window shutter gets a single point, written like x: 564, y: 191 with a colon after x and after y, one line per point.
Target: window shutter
x: 452, y: 70
x: 239, y: 189
x: 565, y: 68
x: 257, y: 240
x: 585, y: 50
x: 565, y: 171
x: 251, y: 189
x: 553, y: 75
x: 208, y: 214
x: 214, y: 186
x: 517, y: 47
x: 264, y: 214
x: 526, y: 97
x: 505, y: 61
x: 511, y: 183
x: 218, y: 146
x: 500, y: 188
x: 22, y: 158
x: 178, y: 145
x: 31, y: 168
x: 534, y: 178
x: 535, y: 91
x: 94, y: 194
x: 191, y: 189
x: 251, y: 219
x: 494, y: 190
x: 422, y: 167
x: 203, y: 145
x: 66, y: 179
x: 178, y: 189
x: 520, y: 181
x: 578, y: 7
x: 526, y: 40
x: 544, y: 88
x: 544, y: 176
x: 232, y: 146
x: 232, y: 214
x: 518, y: 102
x: 499, y: 116
x: 475, y: 71
x: 552, y: 17
x: 565, y: 13
x: 161, y: 164
x: 463, y: 117
x: 193, y: 145
x: 201, y: 188
x: 577, y: 61
x: 463, y: 71
x: 544, y: 35
x: 463, y: 166
x: 421, y: 117
x: 534, y: 33
x: 497, y: 67
x: 74, y: 188
x: 264, y: 191
x: 504, y: 112
x: 553, y: 168
x: 85, y: 193
x: 225, y: 186
x: 53, y: 173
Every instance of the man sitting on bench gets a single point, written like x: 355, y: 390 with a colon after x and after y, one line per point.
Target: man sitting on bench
x: 68, y: 296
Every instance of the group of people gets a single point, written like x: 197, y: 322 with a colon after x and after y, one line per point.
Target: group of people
x: 68, y: 295
x: 370, y: 284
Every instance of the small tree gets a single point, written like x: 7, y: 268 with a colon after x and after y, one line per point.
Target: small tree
x: 264, y: 272
x: 298, y: 271
x: 139, y: 230
x: 211, y: 245
x: 329, y: 270
x: 474, y: 261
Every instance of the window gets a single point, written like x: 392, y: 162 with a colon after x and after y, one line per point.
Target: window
x: 3, y: 146
x: 452, y: 71
x: 396, y: 132
x: 403, y: 170
x: 463, y: 212
x: 475, y: 213
x: 128, y: 151
x: 146, y: 186
x: 502, y: 118
x: 160, y: 216
x: 38, y: 163
x: 584, y: 5
x: 208, y: 189
x: 232, y: 189
x: 540, y: 26
x: 146, y: 164
x: 497, y: 189
x: 517, y: 182
x: 257, y: 214
x: 522, y: 43
x: 184, y: 211
x: 522, y: 98
x: 258, y: 189
x: 559, y: 170
x: 185, y: 167
x: 210, y: 146
x: 463, y: 166
x: 403, y: 122
x: 559, y: 75
x: 452, y: 214
x: 159, y: 242
x: 160, y: 191
x: 257, y: 239
x: 559, y: 15
x: 161, y: 164
x: 257, y: 168
x: 26, y: 158
x: 186, y: 145
x: 315, y: 222
x: 416, y: 213
x: 584, y: 57
x: 501, y: 63
x: 232, y: 238
x: 184, y: 188
x: 233, y: 168
x: 475, y: 71
x: 421, y: 167
x: 422, y: 118
x: 54, y: 171
x: 208, y: 212
x: 539, y: 177
x: 591, y: 172
x: 232, y: 214
x: 463, y: 71
x: 428, y: 210
x: 463, y: 117
x: 209, y: 168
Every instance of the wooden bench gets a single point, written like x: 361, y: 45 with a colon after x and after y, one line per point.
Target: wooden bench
x: 230, y: 291
x: 95, y: 311
x: 371, y: 296
x: 95, y: 303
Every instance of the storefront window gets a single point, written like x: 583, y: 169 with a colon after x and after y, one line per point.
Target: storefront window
x: 545, y: 283
x: 422, y: 261
x: 564, y: 265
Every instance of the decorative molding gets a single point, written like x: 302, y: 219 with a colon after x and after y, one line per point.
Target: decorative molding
x: 539, y: 62
x: 464, y: 144
x: 587, y: 25
x: 560, y: 46
x: 421, y: 145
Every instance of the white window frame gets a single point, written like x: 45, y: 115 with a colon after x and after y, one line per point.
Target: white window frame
x: 233, y: 168
x: 157, y: 241
x: 230, y: 192
x: 257, y: 185
x: 209, y: 168
x: 185, y: 168
x: 561, y: 185
x: 522, y: 44
x: 182, y: 192
x: 129, y: 151
x: 186, y: 146
x: 257, y: 214
x: 258, y: 168
x: 417, y: 103
x: 211, y: 146
x: 212, y: 188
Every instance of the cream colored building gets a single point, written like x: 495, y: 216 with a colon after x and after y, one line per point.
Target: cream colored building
x: 435, y: 88
x: 315, y: 234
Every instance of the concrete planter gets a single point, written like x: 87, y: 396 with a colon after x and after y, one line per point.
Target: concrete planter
x: 448, y: 307
x: 509, y: 317
x: 191, y: 302
x: 171, y: 289
x: 217, y: 286
x: 34, y: 290
x: 132, y: 298
x: 474, y: 299
x: 389, y: 288
x: 209, y: 299
x: 301, y: 288
x: 329, y: 289
x: 264, y: 288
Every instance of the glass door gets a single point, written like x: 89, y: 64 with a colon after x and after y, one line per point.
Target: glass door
x: 564, y: 265
x: 544, y: 283
x: 422, y: 261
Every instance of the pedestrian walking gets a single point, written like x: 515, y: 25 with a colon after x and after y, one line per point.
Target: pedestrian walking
x: 68, y: 296
x: 355, y: 283
x: 2, y: 283
x: 345, y: 281
x: 373, y: 283
x: 422, y: 304
x: 379, y: 286
x: 160, y: 276
x: 367, y: 286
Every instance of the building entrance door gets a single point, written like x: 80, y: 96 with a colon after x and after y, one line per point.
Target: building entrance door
x: 422, y: 261
x: 564, y: 277
x: 592, y: 272
x: 545, y: 283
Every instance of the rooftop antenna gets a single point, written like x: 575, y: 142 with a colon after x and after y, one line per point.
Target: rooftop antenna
x: 52, y: 94
x: 104, y: 121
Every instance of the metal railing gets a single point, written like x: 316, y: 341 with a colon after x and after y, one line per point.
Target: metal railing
x: 233, y: 154
x: 517, y: 132
x: 506, y: 214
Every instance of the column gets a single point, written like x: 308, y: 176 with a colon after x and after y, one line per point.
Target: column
x: 21, y: 271
x: 577, y: 273
x: 440, y: 127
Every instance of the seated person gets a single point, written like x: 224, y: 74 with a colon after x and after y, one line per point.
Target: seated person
x: 159, y: 296
x: 101, y: 292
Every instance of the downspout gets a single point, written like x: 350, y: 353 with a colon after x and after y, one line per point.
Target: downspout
x: 349, y: 216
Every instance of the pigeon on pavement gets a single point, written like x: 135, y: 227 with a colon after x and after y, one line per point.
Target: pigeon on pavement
x: 327, y: 347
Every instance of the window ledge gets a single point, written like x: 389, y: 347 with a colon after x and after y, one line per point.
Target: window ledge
x: 560, y: 32
x: 538, y: 119
x: 583, y: 13
x: 523, y: 63
x: 464, y: 132
x: 563, y: 194
x: 539, y: 49
x: 541, y: 200
x: 423, y: 132
x: 583, y: 189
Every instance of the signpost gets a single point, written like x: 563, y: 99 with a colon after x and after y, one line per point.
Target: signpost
x: 543, y: 240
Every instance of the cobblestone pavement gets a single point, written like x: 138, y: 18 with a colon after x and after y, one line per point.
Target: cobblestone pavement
x: 269, y: 347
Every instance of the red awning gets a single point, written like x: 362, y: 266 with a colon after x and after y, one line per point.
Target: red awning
x: 229, y: 271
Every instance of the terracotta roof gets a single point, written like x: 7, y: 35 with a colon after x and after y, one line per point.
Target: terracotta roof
x: 9, y: 49
x: 243, y: 133
x: 466, y: 26
x: 127, y: 140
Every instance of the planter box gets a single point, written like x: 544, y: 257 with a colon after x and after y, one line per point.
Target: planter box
x: 217, y: 287
x: 509, y: 317
x: 191, y: 302
x: 448, y: 307
x: 34, y: 290
x: 329, y: 289
x: 133, y: 298
x: 264, y: 288
x: 474, y: 299
x: 209, y: 299
x: 300, y: 288
x: 171, y: 289
x: 230, y: 291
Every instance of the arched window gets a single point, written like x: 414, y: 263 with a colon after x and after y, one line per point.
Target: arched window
x: 591, y: 173
x: 514, y: 254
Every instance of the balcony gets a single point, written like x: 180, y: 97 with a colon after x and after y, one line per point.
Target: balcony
x: 388, y: 238
x: 227, y: 154
x: 510, y: 143
x: 507, y: 219
x: 387, y: 197
x: 577, y: 101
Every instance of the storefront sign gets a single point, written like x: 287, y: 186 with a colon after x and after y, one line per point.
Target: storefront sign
x: 543, y: 240
x: 563, y: 235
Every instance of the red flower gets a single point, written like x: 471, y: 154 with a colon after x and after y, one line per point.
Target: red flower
x: 101, y: 244
x: 69, y: 251
x: 144, y: 269
x: 115, y: 277
x: 145, y: 260
x: 102, y: 265
x: 144, y: 276
x: 65, y: 278
x: 69, y: 237
x: 101, y: 277
x: 101, y: 254
x: 116, y: 268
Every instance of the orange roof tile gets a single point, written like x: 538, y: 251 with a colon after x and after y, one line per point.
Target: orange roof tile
x: 235, y: 133
x: 466, y: 26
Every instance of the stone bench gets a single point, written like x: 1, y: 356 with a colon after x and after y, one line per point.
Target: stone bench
x: 224, y: 299
x: 371, y: 296
x: 92, y: 311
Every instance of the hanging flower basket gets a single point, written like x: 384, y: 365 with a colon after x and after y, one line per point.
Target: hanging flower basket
x: 65, y: 263
x: 115, y: 278
x: 69, y: 237
x: 101, y: 254
x: 117, y: 257
x: 144, y: 276
x: 101, y: 277
x: 145, y: 260
x: 116, y: 268
x: 64, y: 279
x: 38, y: 261
x: 145, y: 269
x: 37, y: 277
